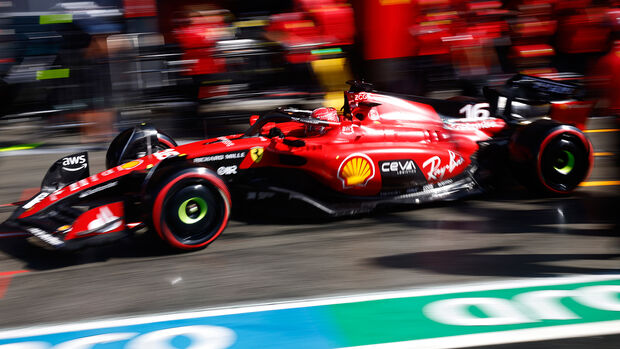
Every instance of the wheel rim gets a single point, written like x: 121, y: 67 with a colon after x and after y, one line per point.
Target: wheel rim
x: 565, y: 162
x: 192, y: 210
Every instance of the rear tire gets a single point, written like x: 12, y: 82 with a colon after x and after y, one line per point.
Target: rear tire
x: 551, y: 157
x: 190, y: 208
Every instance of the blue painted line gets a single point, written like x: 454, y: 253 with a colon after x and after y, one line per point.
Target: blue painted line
x: 286, y: 328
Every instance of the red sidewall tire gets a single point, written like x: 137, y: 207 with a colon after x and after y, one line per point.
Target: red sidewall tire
x: 550, y: 157
x: 166, y: 140
x: 569, y: 130
x: 162, y: 228
x: 120, y: 142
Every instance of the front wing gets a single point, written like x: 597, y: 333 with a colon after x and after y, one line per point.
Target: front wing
x: 64, y: 227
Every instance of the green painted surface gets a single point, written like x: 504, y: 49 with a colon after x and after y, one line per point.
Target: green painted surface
x: 404, y: 319
x: 52, y: 19
x: 52, y: 74
x: 20, y: 147
x: 326, y: 51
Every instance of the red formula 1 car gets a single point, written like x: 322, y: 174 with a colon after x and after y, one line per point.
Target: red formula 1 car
x: 382, y: 149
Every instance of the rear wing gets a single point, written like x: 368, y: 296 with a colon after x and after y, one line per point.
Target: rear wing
x: 527, y: 97
x: 536, y: 90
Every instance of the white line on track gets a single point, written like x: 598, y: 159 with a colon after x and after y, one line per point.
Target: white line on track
x: 304, y: 303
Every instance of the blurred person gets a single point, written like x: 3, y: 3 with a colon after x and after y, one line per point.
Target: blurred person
x: 296, y: 34
x: 430, y: 45
x: 99, y: 119
x: 90, y: 71
x: 330, y: 63
x: 318, y: 24
x: 200, y: 27
x: 583, y: 37
x: 333, y: 18
x: 316, y: 38
x: 605, y: 79
x: 387, y: 45
x: 589, y: 39
x: 532, y: 32
x: 474, y: 38
x: 433, y: 62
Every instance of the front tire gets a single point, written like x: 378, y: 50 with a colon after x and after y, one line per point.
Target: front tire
x: 191, y: 208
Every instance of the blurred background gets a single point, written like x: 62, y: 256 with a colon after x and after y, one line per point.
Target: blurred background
x: 79, y: 71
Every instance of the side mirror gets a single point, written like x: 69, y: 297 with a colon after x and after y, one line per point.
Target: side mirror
x: 253, y: 119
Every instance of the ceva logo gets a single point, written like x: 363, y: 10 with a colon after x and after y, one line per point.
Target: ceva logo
x: 356, y: 170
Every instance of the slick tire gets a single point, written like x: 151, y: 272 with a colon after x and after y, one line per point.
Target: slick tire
x: 190, y: 208
x: 551, y: 157
x: 119, y: 143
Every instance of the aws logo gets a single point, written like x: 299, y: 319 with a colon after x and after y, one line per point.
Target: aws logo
x: 74, y: 163
x: 356, y: 170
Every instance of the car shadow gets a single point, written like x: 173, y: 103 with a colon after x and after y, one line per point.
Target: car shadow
x: 522, y: 212
x: 494, y: 261
x: 38, y: 259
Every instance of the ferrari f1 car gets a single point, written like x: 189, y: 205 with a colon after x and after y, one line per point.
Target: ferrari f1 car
x: 380, y: 149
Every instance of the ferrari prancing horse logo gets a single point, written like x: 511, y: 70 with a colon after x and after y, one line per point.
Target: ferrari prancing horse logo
x: 256, y: 154
x: 356, y: 170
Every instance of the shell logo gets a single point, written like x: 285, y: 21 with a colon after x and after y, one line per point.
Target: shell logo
x: 356, y: 170
x: 131, y: 164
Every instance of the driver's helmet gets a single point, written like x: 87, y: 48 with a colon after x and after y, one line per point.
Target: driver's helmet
x: 328, y: 114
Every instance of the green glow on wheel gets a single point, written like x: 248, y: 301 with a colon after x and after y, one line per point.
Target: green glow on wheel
x: 192, y: 210
x: 566, y: 165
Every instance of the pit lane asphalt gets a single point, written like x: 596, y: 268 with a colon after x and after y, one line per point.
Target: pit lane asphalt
x: 500, y: 236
